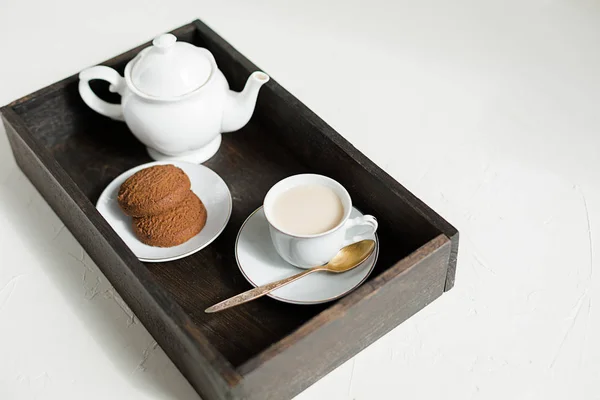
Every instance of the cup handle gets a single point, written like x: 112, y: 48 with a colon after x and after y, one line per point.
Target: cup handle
x: 366, y: 220
x: 117, y: 85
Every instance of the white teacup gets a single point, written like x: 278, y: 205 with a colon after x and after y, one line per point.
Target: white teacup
x: 306, y: 251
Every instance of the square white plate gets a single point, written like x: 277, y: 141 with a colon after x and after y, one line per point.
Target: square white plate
x: 206, y: 184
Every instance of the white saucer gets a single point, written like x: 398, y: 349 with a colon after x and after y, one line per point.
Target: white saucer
x: 207, y: 185
x: 260, y: 264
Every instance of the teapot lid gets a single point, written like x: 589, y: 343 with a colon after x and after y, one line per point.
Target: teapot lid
x: 169, y: 68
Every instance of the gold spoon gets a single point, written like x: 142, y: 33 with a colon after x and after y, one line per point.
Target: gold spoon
x: 346, y: 259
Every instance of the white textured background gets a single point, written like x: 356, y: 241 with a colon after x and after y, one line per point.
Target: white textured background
x: 487, y: 110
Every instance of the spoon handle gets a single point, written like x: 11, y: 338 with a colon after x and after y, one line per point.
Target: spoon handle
x: 258, y: 292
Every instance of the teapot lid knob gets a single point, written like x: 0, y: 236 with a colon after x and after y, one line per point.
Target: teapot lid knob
x: 164, y: 42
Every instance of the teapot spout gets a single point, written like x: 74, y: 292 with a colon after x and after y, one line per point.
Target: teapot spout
x: 240, y: 106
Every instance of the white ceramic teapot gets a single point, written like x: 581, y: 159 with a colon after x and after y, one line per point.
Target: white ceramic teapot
x: 174, y: 99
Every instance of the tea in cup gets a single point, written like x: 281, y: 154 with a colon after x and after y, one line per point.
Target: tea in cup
x: 309, y: 219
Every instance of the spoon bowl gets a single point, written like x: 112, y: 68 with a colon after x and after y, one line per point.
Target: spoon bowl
x: 350, y: 256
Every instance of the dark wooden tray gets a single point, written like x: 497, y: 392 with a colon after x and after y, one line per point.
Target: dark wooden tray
x: 264, y: 349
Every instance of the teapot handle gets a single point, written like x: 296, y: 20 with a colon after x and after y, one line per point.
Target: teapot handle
x: 117, y: 84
